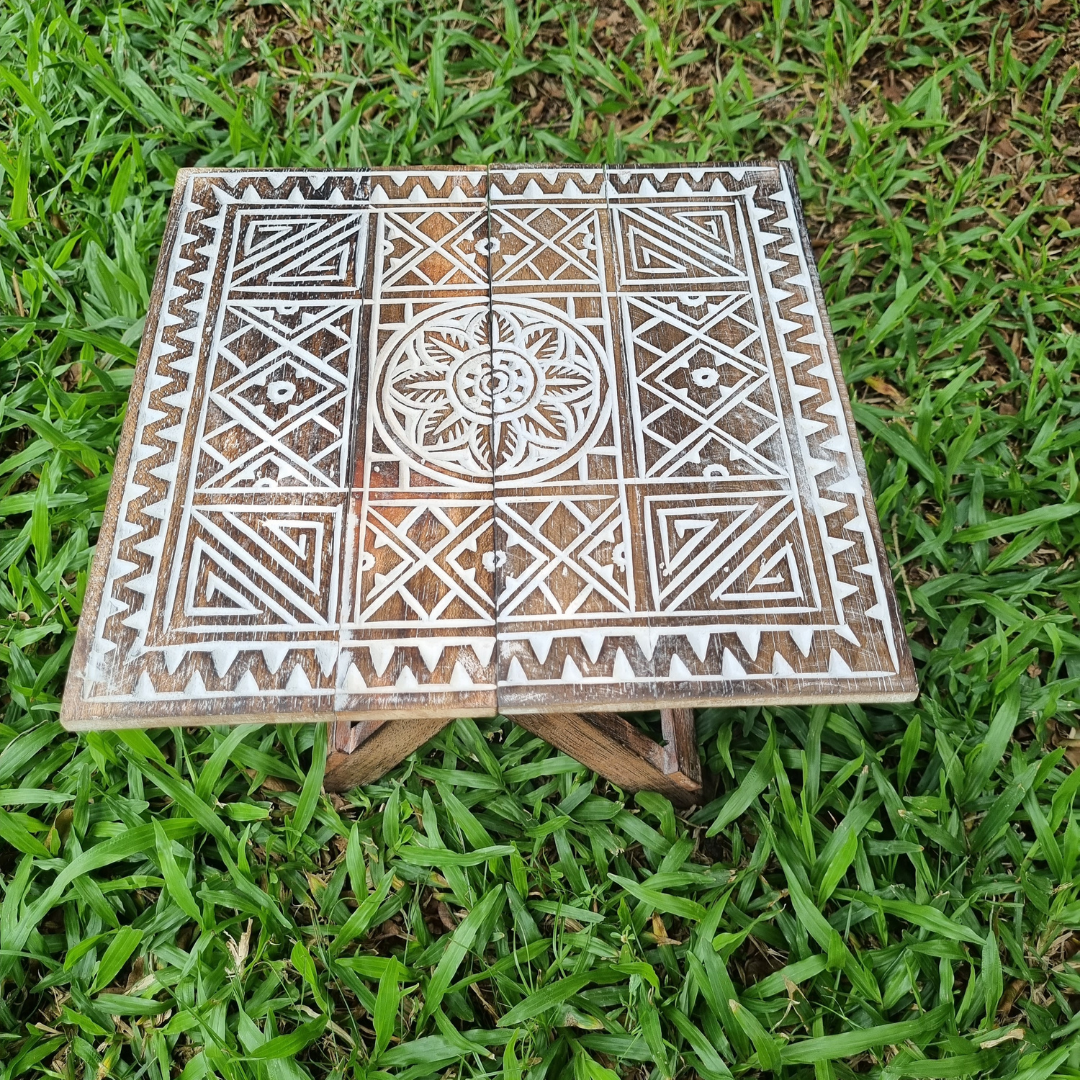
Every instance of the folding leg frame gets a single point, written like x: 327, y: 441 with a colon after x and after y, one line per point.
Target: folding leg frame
x: 607, y: 743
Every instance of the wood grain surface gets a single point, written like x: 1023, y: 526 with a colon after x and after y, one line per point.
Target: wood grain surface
x: 613, y: 747
x: 424, y: 444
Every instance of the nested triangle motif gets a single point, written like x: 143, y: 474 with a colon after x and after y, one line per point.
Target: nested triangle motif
x: 293, y: 250
x: 659, y: 247
x: 720, y: 554
x: 713, y: 226
x: 404, y: 445
x: 322, y: 267
x: 271, y: 566
x: 212, y: 586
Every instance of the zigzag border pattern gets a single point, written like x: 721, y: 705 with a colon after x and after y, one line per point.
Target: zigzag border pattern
x: 729, y: 658
x: 724, y: 658
x: 116, y: 665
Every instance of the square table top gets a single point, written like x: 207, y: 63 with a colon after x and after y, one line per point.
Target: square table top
x: 475, y: 441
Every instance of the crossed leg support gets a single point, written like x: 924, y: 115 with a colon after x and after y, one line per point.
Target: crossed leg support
x: 361, y: 752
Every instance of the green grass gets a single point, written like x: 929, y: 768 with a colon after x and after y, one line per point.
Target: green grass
x: 877, y: 891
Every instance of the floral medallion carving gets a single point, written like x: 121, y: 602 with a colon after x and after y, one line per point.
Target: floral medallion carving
x: 469, y: 389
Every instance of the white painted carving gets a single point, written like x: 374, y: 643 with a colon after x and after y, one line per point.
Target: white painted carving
x: 395, y: 438
x: 471, y: 390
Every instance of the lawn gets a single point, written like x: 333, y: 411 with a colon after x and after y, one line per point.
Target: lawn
x: 881, y: 891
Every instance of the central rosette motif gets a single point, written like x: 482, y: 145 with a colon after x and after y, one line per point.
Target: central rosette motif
x: 469, y: 390
x: 497, y: 384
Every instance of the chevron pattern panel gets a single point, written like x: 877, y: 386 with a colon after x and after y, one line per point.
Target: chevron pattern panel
x: 469, y: 441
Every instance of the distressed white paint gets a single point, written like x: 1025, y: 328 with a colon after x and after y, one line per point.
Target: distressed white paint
x: 620, y: 453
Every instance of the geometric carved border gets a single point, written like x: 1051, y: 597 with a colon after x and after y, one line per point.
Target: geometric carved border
x: 707, y: 638
x: 298, y: 523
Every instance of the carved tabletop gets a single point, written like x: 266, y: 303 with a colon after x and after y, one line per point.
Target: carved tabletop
x: 467, y: 442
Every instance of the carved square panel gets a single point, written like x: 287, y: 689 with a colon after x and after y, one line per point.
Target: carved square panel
x: 467, y: 441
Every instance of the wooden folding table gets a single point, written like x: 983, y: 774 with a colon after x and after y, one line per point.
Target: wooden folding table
x: 554, y: 443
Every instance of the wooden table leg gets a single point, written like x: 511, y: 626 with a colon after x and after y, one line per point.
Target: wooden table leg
x: 613, y: 747
x: 362, y: 752
x: 605, y: 742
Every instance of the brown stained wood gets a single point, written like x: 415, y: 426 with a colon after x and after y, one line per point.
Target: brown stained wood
x: 614, y: 748
x: 422, y: 444
x: 276, y: 545
x: 362, y: 752
x: 566, y: 574
x: 419, y: 630
x: 680, y: 746
x: 716, y: 436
